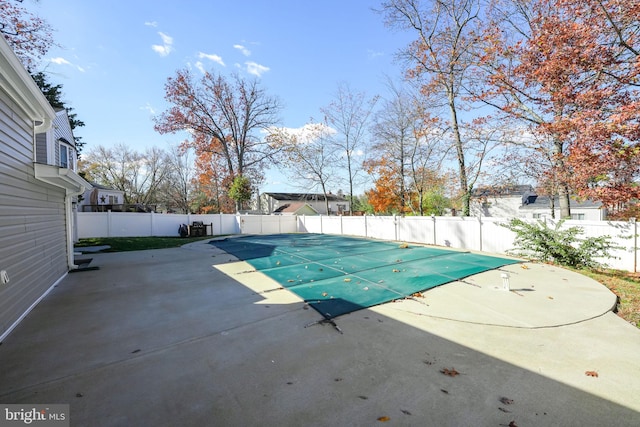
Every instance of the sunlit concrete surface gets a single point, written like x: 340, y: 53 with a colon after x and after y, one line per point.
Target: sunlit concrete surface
x: 191, y: 336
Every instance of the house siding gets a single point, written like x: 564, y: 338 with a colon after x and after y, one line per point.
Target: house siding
x: 32, y: 220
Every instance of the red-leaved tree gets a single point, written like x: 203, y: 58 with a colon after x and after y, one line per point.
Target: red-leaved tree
x: 224, y: 118
x: 29, y: 36
x: 568, y: 70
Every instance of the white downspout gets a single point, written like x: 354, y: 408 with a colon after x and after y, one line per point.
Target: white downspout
x: 69, y: 226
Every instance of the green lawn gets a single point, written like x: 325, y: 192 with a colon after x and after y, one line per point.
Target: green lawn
x: 120, y: 244
x: 626, y: 286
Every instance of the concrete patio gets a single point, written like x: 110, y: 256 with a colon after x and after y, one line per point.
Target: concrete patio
x: 191, y: 337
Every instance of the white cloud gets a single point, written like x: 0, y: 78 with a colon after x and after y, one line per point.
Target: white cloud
x: 256, y: 69
x: 372, y: 54
x: 241, y: 48
x: 211, y: 57
x: 61, y: 61
x: 151, y: 24
x: 305, y: 134
x: 149, y: 108
x: 166, y: 47
x: 200, y: 66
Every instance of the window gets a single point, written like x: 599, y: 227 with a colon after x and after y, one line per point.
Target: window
x: 579, y: 216
x: 537, y: 216
x: 113, y: 200
x: 64, y: 156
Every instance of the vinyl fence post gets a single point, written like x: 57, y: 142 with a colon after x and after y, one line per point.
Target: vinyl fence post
x: 395, y: 227
x: 635, y: 244
x: 433, y: 218
x: 109, y: 223
x: 480, y: 230
x: 365, y: 226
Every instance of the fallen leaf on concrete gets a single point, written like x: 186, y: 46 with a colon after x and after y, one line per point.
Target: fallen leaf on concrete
x: 504, y: 410
x: 337, y: 379
x: 417, y: 295
x: 384, y: 419
x: 591, y: 374
x: 524, y: 267
x: 363, y: 397
x: 550, y: 297
x: 404, y: 411
x: 506, y: 400
x: 444, y: 391
x: 450, y: 372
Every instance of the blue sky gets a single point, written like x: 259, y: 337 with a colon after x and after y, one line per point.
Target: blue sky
x: 115, y: 56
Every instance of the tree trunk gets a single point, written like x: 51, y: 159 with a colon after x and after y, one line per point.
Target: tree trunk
x: 563, y: 188
x: 565, y: 202
x: 464, y: 186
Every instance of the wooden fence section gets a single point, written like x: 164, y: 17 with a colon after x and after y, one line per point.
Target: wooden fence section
x: 470, y: 233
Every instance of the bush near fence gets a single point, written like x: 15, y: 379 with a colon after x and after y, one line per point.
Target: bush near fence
x: 470, y: 233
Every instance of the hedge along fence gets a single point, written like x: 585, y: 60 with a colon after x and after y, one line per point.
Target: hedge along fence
x: 471, y: 233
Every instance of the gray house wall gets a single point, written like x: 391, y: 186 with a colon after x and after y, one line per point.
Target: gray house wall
x: 33, y: 248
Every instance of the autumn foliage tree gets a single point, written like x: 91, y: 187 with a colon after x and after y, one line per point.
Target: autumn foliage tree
x: 29, y: 36
x: 568, y: 70
x: 388, y: 195
x: 224, y: 118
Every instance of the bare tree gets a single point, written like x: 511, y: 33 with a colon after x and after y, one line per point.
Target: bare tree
x: 349, y: 115
x: 138, y: 175
x: 308, y: 158
x: 441, y: 58
x: 178, y: 188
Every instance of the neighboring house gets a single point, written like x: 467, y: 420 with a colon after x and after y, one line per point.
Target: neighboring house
x: 297, y: 208
x: 102, y: 199
x: 36, y: 193
x: 540, y: 207
x: 270, y: 202
x: 522, y: 201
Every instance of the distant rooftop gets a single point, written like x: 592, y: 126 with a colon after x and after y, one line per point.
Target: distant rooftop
x: 307, y: 197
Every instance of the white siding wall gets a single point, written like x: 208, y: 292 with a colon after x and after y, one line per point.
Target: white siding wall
x: 32, y: 220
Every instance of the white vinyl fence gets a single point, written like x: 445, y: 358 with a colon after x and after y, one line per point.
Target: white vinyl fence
x: 471, y: 233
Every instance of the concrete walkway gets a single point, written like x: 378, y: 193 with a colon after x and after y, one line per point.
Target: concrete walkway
x: 191, y: 337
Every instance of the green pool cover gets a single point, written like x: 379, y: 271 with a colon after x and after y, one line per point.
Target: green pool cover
x: 337, y: 275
